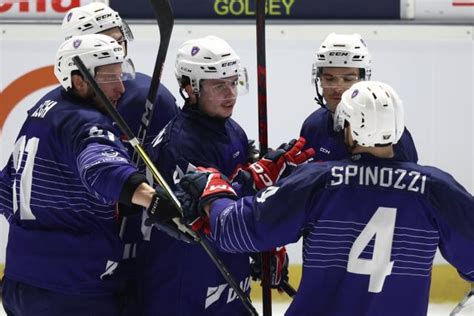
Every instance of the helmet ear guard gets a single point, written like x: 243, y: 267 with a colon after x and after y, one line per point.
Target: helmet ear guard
x: 374, y: 111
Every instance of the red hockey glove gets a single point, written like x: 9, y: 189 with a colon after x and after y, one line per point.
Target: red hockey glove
x: 278, y: 268
x: 268, y: 170
x: 201, y: 188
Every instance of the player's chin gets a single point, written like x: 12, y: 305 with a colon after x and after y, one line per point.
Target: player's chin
x: 226, y: 111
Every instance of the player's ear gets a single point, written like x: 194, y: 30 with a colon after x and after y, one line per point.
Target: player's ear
x: 78, y: 83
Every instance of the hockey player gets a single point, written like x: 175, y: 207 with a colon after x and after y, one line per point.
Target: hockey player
x: 180, y: 279
x: 96, y: 18
x: 60, y: 187
x: 370, y: 224
x: 341, y: 61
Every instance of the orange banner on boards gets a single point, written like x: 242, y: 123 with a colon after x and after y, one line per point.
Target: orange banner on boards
x: 22, y: 87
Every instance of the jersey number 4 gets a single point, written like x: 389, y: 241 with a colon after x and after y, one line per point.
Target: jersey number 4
x: 22, y: 148
x: 382, y: 226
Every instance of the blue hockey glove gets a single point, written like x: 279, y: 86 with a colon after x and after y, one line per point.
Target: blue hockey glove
x: 202, y: 186
x: 278, y: 268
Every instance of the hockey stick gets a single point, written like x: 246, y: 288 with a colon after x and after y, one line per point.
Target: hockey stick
x: 112, y: 111
x: 165, y: 18
x: 263, y: 140
x: 463, y: 302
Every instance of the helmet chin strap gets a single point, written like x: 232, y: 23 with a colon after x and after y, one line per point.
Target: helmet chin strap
x: 350, y: 147
x: 184, y: 95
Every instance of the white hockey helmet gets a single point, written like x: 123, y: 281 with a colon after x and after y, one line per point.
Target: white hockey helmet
x: 343, y: 50
x: 209, y: 58
x: 94, y: 50
x: 93, y: 18
x: 374, y: 111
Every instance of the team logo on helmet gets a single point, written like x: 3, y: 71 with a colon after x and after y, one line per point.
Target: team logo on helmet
x: 194, y: 50
x: 77, y: 43
x: 355, y: 93
x: 69, y: 16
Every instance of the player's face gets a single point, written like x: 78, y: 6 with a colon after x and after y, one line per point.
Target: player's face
x: 117, y: 35
x: 218, y: 96
x: 109, y: 79
x: 334, y: 81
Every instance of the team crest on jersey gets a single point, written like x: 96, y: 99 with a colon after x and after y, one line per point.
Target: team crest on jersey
x: 194, y: 50
x: 109, y: 153
x: 355, y: 93
x: 77, y: 43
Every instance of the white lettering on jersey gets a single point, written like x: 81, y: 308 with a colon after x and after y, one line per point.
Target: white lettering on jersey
x: 215, y: 293
x: 97, y: 132
x: 380, y: 176
x: 266, y: 194
x: 178, y: 173
x: 43, y: 109
x: 324, y: 150
x: 109, y: 268
x: 244, y: 285
x: 158, y: 138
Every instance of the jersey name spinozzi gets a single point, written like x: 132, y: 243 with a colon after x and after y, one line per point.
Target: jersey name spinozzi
x: 382, y: 176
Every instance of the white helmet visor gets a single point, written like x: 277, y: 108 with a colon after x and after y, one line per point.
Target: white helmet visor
x: 128, y: 73
x: 127, y: 32
x: 225, y: 88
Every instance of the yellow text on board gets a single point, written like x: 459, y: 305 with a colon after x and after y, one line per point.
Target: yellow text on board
x: 242, y: 7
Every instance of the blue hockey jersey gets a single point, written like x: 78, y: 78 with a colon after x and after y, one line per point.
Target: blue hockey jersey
x: 370, y: 230
x: 59, y: 190
x: 180, y: 279
x: 132, y: 106
x: 318, y: 130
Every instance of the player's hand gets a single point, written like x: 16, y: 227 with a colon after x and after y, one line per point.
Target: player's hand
x: 279, y: 163
x: 278, y: 267
x: 202, y: 186
x: 161, y: 212
x: 161, y: 208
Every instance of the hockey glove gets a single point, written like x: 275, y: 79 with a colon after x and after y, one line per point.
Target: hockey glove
x: 278, y: 268
x: 161, y: 212
x: 202, y: 187
x: 161, y: 209
x: 252, y: 151
x: 279, y: 163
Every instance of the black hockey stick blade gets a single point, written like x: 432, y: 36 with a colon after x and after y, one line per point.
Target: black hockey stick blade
x: 288, y: 289
x: 165, y: 18
x: 112, y: 111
